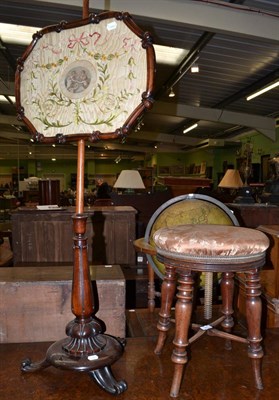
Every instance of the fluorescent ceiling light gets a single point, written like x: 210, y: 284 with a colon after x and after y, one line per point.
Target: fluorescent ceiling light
x: 169, y: 55
x: 195, y: 69
x: 190, y: 128
x: 3, y: 99
x: 21, y: 34
x: 171, y: 93
x: 266, y: 89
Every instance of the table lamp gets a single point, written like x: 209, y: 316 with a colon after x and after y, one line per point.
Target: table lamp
x: 129, y: 180
x: 231, y: 180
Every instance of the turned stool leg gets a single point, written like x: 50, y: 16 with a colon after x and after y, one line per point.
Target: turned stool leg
x: 253, y: 315
x: 151, y: 288
x: 195, y: 248
x: 227, y: 289
x: 183, y: 313
x: 167, y: 295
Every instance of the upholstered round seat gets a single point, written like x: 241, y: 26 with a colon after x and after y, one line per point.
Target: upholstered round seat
x: 212, y: 244
x: 187, y: 249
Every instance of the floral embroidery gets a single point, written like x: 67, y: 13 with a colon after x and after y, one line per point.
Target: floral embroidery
x: 78, y: 81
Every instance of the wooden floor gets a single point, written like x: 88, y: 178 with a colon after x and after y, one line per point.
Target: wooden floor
x: 212, y: 372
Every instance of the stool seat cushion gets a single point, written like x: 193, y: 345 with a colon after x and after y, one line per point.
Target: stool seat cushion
x: 213, y: 241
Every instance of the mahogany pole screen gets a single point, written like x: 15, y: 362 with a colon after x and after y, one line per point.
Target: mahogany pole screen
x: 87, y: 80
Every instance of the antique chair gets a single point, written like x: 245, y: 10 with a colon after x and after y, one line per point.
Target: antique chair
x: 185, y: 209
x: 187, y: 249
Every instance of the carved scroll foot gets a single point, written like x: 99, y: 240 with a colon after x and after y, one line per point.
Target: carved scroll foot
x: 96, y: 363
x: 105, y: 379
x: 28, y: 366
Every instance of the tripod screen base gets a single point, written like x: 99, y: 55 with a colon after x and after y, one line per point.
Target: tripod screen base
x: 97, y: 365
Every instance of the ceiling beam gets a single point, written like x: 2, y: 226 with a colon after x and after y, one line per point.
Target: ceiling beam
x: 141, y: 135
x: 10, y: 120
x: 264, y: 125
x: 7, y: 88
x: 13, y: 151
x: 168, y: 147
x: 171, y: 143
x: 229, y: 19
x: 186, y: 64
x: 164, y: 138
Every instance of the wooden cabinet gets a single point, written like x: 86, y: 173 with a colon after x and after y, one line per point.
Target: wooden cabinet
x: 269, y: 280
x: 47, y: 236
x: 180, y: 185
x: 265, y: 218
x: 253, y: 215
x: 270, y: 273
x: 34, y: 299
x: 145, y: 204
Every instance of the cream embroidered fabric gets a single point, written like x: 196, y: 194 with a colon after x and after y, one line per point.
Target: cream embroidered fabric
x: 85, y: 79
x: 211, y: 240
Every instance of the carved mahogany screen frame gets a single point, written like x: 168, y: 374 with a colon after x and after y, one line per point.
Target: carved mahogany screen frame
x: 89, y: 79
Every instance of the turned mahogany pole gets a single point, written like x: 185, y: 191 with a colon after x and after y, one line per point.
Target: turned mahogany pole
x: 81, y: 145
x: 82, y: 296
x: 85, y: 8
x: 84, y: 326
x: 80, y: 177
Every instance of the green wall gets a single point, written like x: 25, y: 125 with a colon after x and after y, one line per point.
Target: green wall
x: 213, y: 157
x: 67, y: 167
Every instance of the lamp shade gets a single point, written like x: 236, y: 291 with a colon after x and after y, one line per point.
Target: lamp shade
x: 231, y: 180
x: 129, y: 179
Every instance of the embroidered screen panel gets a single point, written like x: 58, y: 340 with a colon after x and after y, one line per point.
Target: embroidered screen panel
x: 93, y: 78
